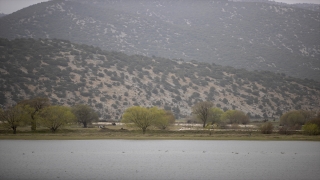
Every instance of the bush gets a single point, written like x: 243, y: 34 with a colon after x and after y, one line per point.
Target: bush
x: 311, y: 129
x: 289, y: 129
x: 266, y: 128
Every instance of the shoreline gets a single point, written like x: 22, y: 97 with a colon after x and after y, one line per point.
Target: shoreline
x: 156, y: 136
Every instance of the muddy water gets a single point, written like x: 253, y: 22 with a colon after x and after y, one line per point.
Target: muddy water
x: 159, y: 159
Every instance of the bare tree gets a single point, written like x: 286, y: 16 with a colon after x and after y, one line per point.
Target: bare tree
x: 202, y: 111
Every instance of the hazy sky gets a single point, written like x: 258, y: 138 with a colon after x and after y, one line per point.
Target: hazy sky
x: 10, y: 6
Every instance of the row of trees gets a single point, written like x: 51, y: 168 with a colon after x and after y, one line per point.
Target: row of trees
x: 142, y: 117
x: 308, y: 121
x: 208, y: 114
x: 39, y: 111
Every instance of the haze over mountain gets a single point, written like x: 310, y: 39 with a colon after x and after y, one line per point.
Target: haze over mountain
x: 110, y: 82
x: 252, y: 35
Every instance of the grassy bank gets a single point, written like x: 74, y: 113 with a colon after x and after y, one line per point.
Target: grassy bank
x: 118, y: 133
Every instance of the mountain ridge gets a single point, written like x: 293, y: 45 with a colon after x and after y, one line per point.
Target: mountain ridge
x: 252, y: 35
x: 110, y: 81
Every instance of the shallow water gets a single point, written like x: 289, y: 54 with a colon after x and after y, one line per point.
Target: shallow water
x: 159, y: 159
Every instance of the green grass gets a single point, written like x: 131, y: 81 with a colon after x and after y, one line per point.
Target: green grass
x: 115, y: 132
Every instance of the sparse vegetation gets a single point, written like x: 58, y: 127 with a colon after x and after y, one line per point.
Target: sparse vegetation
x: 177, y: 86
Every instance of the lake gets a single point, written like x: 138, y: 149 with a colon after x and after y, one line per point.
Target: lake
x: 159, y: 159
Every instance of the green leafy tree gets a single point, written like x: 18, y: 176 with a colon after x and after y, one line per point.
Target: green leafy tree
x: 215, y: 115
x: 202, y: 111
x: 292, y: 118
x: 227, y: 116
x: 85, y: 114
x: 15, y: 116
x: 235, y: 117
x: 54, y: 117
x: 166, y: 120
x: 37, y: 104
x: 142, y: 117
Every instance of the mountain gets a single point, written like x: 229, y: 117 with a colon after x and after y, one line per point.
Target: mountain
x: 111, y: 81
x: 307, y: 6
x: 312, y: 7
x: 252, y: 35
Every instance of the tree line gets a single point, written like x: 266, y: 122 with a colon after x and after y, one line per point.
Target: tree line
x: 205, y: 112
x: 39, y: 111
x: 208, y: 114
x: 307, y: 121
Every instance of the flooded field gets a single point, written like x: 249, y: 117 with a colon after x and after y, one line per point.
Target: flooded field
x: 159, y: 159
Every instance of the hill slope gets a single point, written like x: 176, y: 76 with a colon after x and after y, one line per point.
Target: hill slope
x: 250, y: 35
x: 110, y: 82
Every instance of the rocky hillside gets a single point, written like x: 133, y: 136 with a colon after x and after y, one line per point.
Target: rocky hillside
x: 110, y: 82
x: 253, y: 35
